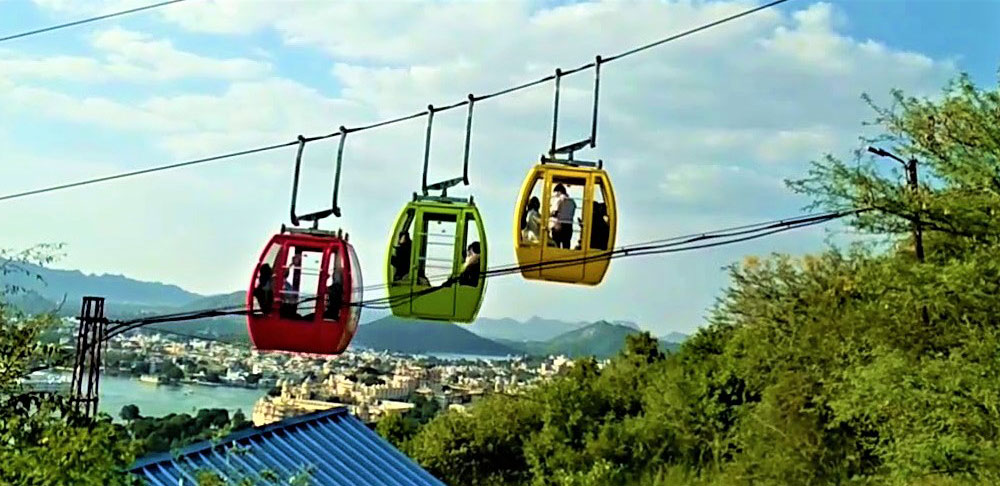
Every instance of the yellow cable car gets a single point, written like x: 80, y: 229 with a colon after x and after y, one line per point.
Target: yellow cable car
x: 566, y: 218
x: 569, y: 237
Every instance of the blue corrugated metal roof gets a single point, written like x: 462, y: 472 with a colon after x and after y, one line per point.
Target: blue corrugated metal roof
x: 339, y: 449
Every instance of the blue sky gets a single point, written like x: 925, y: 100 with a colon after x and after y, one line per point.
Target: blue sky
x: 698, y: 135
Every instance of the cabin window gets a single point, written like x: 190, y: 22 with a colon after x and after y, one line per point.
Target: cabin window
x: 437, y: 249
x: 300, y: 284
x: 531, y: 217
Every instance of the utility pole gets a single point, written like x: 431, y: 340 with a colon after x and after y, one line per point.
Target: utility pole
x: 911, y: 181
x: 918, y: 236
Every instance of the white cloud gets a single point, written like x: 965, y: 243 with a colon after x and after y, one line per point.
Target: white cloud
x: 697, y: 134
x: 130, y: 56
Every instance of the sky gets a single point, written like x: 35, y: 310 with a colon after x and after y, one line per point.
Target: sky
x: 697, y: 134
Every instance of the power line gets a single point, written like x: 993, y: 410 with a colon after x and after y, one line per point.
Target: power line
x: 675, y: 244
x: 471, y: 99
x: 670, y: 245
x: 152, y: 169
x: 84, y: 21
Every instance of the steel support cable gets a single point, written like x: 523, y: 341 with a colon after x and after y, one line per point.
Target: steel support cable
x: 631, y: 251
x: 637, y: 249
x: 644, y: 252
x: 634, y: 250
x: 687, y: 237
x: 87, y: 20
x: 666, y: 242
x: 669, y: 245
x: 400, y: 119
x: 150, y: 170
x: 640, y: 247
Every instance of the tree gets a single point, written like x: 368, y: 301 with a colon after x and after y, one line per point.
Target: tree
x: 817, y: 369
x: 129, y: 412
x: 171, y: 371
x: 643, y: 346
x: 240, y: 421
x: 397, y: 429
x: 43, y: 440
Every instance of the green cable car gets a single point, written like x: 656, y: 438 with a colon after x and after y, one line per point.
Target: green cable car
x: 436, y: 262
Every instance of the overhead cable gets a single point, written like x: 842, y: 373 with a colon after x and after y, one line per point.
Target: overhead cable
x: 471, y: 99
x: 670, y: 245
x: 87, y: 20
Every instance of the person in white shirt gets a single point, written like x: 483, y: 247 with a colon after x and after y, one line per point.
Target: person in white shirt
x: 561, y: 216
x: 532, y: 222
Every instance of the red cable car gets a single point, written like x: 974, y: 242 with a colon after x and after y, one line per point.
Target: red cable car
x: 306, y: 290
x: 311, y: 311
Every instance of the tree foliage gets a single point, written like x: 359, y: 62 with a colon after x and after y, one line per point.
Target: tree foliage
x: 173, y: 431
x: 43, y: 440
x: 818, y: 369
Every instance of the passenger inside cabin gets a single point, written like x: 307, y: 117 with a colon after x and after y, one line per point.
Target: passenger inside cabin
x: 401, y: 257
x: 469, y: 274
x: 264, y: 293
x: 422, y: 278
x: 532, y: 221
x: 289, y: 292
x: 334, y: 293
x: 561, y: 214
x: 600, y: 227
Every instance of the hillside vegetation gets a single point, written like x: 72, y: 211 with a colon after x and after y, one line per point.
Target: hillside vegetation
x: 854, y: 366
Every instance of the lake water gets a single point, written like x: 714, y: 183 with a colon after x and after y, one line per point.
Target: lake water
x: 470, y: 357
x: 158, y: 400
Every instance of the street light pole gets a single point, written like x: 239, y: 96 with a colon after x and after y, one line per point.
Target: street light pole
x: 911, y: 180
x: 918, y: 237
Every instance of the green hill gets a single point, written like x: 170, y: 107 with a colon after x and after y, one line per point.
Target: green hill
x: 416, y: 336
x: 601, y: 339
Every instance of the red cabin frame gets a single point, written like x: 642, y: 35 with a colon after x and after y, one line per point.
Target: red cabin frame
x: 281, y: 329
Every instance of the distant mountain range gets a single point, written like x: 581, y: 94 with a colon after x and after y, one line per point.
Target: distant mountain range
x: 534, y: 329
x: 130, y: 298
x: 74, y: 284
x: 416, y: 336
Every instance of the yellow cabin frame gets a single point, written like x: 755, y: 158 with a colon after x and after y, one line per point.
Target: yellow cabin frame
x: 587, y: 261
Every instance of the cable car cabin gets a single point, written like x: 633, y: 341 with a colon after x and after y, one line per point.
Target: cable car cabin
x: 565, y: 224
x: 301, y: 294
x: 437, y: 260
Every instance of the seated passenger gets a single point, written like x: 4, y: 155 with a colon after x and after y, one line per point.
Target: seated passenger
x: 264, y: 293
x: 531, y: 224
x: 334, y: 295
x: 422, y: 278
x: 401, y: 257
x: 601, y: 228
x: 469, y: 274
x: 290, y: 293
